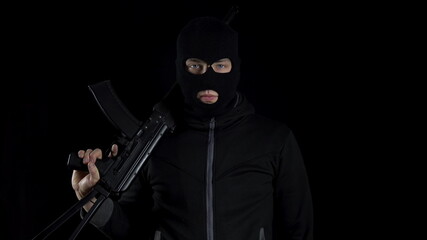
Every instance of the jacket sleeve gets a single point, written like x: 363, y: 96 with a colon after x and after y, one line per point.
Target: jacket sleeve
x: 128, y: 215
x: 294, y: 212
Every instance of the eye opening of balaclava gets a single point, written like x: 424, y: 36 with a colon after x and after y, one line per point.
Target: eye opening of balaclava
x: 208, y: 39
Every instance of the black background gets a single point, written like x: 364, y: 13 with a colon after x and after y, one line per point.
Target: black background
x: 317, y: 67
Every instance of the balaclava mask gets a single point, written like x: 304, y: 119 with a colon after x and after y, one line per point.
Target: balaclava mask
x: 210, y: 40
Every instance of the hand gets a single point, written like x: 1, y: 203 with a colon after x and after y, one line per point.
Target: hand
x: 83, y: 182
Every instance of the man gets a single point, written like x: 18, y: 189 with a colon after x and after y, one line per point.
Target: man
x: 225, y: 173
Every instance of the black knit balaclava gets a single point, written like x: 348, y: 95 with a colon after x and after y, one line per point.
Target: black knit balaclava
x: 210, y: 40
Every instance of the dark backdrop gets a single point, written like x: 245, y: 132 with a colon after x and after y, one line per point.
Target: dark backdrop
x: 301, y: 64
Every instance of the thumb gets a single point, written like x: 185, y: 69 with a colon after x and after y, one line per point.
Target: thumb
x: 114, y: 150
x: 93, y: 172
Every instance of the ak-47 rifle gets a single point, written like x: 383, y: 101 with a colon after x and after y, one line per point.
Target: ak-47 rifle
x: 117, y: 173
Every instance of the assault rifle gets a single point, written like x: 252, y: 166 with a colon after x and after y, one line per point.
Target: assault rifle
x: 117, y: 173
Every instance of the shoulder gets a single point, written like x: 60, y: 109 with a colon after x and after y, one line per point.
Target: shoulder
x: 267, y: 132
x: 269, y: 125
x: 261, y: 124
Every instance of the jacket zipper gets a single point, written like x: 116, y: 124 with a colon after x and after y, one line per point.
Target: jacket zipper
x: 261, y: 234
x: 158, y: 235
x: 209, y: 179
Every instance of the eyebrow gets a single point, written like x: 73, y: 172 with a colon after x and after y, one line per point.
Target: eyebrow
x: 223, y: 60
x: 195, y: 60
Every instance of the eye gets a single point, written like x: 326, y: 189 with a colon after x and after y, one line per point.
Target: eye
x: 222, y: 67
x: 195, y: 66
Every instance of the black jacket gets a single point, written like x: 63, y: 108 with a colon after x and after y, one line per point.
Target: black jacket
x: 240, y: 176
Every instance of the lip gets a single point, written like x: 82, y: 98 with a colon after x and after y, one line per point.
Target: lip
x: 208, y: 95
x: 208, y: 98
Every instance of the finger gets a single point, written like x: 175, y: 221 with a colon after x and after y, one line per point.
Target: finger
x: 86, y: 156
x: 94, y: 173
x: 81, y: 153
x: 114, y: 149
x: 95, y: 154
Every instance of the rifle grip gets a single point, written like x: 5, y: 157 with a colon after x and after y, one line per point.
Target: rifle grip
x: 76, y: 163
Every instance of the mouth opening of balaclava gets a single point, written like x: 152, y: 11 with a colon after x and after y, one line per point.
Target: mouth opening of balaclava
x: 208, y: 39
